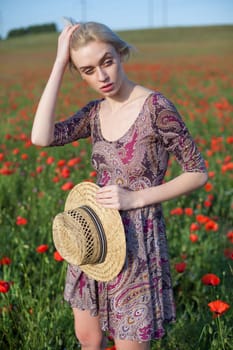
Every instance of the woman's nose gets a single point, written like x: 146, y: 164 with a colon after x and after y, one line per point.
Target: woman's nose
x: 102, y: 75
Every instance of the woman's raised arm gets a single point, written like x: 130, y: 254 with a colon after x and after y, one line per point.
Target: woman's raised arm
x: 43, y: 125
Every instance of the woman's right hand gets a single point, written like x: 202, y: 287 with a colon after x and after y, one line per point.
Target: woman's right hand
x: 63, y: 48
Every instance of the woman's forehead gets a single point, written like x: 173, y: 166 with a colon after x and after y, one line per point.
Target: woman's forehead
x: 92, y: 52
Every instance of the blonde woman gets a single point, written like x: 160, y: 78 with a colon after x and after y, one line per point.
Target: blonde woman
x: 133, y: 131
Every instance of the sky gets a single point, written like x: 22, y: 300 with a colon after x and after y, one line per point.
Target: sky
x: 117, y: 14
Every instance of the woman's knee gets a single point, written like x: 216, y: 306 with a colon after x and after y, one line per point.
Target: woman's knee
x: 87, y: 330
x: 89, y: 338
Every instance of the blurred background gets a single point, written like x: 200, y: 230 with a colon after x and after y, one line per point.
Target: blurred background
x: 119, y: 15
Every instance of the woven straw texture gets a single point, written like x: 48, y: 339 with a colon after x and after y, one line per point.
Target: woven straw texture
x: 76, y: 248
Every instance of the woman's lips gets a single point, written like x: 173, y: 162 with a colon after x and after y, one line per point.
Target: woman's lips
x: 107, y: 87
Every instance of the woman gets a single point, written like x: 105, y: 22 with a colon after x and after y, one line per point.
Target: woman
x: 133, y: 131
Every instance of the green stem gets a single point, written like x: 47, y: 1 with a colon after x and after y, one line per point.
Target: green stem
x: 220, y: 332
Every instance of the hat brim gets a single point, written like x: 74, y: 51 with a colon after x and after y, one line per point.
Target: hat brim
x: 84, y: 194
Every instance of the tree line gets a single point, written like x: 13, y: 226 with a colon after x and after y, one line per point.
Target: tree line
x: 35, y: 29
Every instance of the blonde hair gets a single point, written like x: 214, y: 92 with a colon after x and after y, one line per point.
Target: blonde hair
x: 94, y: 31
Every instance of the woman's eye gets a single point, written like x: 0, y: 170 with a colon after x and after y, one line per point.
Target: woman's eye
x: 89, y: 71
x: 108, y: 62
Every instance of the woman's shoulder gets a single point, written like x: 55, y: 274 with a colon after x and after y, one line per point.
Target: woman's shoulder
x: 159, y: 101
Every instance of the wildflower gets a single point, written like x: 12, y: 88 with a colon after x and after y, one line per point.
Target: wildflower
x: 65, y: 172
x: 15, y: 151
x: 230, y: 236
x: 194, y: 227
x: 57, y: 256
x: 211, y: 225
x: 4, y: 286
x: 67, y: 186
x: 230, y: 139
x: 210, y: 279
x: 228, y: 252
x: 208, y: 187
x: 39, y: 169
x: 20, y: 221
x: 56, y: 179
x: 211, y: 174
x: 202, y: 219
x: 188, y: 211
x: 42, y: 248
x: 193, y: 237
x: 176, y: 211
x: 61, y: 162
x: 5, y: 261
x: 93, y: 173
x: 50, y: 160
x: 180, y: 267
x: 73, y: 161
x: 207, y: 203
x: 43, y: 154
x: 218, y: 307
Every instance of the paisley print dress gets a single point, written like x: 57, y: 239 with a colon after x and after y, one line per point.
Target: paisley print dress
x: 136, y: 304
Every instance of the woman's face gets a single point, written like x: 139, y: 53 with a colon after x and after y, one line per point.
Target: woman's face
x: 100, y: 65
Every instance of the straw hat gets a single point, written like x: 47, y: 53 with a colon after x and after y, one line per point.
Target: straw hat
x: 90, y: 236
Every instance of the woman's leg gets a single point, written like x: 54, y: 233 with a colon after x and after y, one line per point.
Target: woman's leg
x: 88, y: 331
x: 131, y: 345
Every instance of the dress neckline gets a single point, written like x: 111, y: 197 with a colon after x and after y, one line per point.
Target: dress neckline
x: 131, y: 126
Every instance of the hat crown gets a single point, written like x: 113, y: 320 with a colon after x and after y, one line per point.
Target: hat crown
x: 85, y: 234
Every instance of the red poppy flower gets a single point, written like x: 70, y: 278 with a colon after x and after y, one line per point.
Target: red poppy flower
x: 57, y: 256
x: 230, y: 139
x: 56, y: 179
x: 50, y: 160
x: 93, y: 173
x: 210, y: 279
x: 24, y: 156
x: 188, y: 211
x: 193, y: 237
x: 61, y: 162
x: 207, y: 203
x: 43, y: 154
x: 218, y: 307
x: 39, y: 169
x: 65, y: 172
x: 5, y: 261
x: 194, y: 227
x: 75, y: 143
x: 42, y: 248
x: 228, y: 252
x: 67, y: 186
x: 20, y: 221
x: 211, y: 225
x: 73, y: 161
x: 230, y: 236
x: 202, y: 219
x: 4, y: 286
x: 15, y: 151
x: 176, y: 211
x: 180, y: 267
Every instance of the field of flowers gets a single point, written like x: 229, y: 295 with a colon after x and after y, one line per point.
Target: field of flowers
x: 195, y: 72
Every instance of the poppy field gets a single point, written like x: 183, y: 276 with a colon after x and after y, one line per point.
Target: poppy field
x: 193, y: 68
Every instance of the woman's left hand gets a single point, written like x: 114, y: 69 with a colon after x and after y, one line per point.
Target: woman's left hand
x: 115, y: 197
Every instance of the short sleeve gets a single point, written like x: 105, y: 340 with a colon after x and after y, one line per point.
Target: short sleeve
x: 76, y: 127
x: 175, y: 136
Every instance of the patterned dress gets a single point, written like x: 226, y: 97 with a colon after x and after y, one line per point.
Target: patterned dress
x: 136, y: 304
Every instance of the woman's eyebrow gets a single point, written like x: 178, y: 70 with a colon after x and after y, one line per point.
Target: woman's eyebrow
x: 106, y: 55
